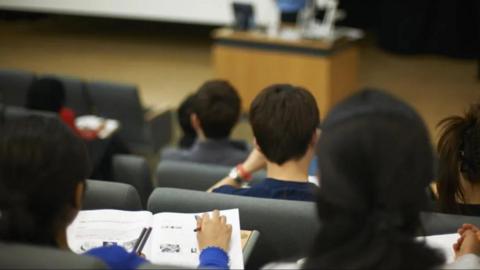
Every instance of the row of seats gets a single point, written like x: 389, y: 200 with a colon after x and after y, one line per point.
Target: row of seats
x: 287, y: 228
x: 144, y: 132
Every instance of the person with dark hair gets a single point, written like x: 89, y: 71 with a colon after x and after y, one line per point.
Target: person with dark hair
x: 43, y: 167
x: 285, y: 122
x: 375, y: 162
x: 458, y: 148
x: 48, y: 94
x: 215, y: 112
x: 184, y: 114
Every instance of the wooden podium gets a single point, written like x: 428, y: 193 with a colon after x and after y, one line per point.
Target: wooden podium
x: 252, y: 61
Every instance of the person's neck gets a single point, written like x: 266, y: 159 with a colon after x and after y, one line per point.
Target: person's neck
x: 291, y: 171
x: 471, y: 191
x: 61, y: 239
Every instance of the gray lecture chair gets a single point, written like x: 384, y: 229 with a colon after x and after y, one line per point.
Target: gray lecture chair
x: 143, y: 134
x: 287, y: 228
x: 195, y: 176
x: 111, y: 195
x: 22, y: 256
x: 14, y: 85
x: 15, y: 112
x: 134, y: 170
x: 438, y: 223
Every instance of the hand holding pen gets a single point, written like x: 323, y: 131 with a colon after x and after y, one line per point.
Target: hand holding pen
x: 213, y: 231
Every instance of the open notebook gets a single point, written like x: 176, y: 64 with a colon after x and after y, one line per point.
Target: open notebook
x: 442, y: 242
x: 172, y: 240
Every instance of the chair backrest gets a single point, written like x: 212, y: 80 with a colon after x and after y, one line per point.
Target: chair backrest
x: 287, y: 228
x: 14, y: 85
x: 189, y: 175
x: 111, y: 195
x: 120, y: 102
x: 76, y: 95
x: 21, y: 256
x: 134, y: 170
x: 14, y: 112
x: 439, y: 223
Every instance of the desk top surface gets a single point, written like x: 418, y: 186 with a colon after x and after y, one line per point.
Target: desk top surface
x: 258, y: 37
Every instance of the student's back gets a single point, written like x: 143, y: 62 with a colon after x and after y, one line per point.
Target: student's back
x: 215, y: 110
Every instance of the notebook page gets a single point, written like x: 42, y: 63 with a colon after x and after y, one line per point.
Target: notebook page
x: 173, y: 241
x: 442, y: 242
x: 97, y: 228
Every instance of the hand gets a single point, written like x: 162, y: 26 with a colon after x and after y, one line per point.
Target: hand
x: 466, y: 227
x: 255, y: 161
x: 468, y: 243
x: 214, y: 232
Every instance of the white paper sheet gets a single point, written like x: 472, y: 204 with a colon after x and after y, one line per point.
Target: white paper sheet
x: 174, y: 241
x: 96, y: 228
x: 442, y: 242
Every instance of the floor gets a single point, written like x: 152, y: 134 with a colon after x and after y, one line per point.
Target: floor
x: 168, y: 61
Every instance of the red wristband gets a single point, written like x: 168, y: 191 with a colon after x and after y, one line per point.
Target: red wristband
x: 246, y: 176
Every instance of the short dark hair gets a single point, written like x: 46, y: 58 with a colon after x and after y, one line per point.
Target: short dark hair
x: 41, y: 163
x: 184, y: 113
x: 217, y: 106
x: 284, y: 119
x: 46, y: 94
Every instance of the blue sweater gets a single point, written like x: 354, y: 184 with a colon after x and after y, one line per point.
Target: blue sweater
x: 117, y: 258
x: 274, y: 189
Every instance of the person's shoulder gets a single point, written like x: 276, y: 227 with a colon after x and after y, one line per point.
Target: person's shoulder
x: 116, y: 257
x: 175, y: 154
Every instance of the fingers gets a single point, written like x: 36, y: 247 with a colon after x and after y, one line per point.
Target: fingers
x: 215, y: 214
x: 223, y: 220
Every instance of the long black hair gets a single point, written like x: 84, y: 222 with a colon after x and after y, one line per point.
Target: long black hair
x: 41, y: 163
x: 459, y: 155
x: 375, y: 161
x: 46, y: 94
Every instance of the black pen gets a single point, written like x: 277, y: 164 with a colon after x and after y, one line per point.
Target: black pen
x: 139, y: 240
x: 144, y: 241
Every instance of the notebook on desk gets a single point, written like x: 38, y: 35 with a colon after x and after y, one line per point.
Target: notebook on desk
x: 172, y: 240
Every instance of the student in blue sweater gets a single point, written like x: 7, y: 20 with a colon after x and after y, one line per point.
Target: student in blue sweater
x: 43, y: 167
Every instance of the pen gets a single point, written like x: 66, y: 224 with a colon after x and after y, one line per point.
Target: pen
x: 197, y: 217
x: 144, y: 241
x: 139, y: 240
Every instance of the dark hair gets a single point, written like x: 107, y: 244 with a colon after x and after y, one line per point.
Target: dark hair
x: 375, y: 162
x: 459, y: 154
x: 46, y: 94
x: 184, y: 113
x: 41, y: 163
x: 284, y: 119
x: 217, y: 106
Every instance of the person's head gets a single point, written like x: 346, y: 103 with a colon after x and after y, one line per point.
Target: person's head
x: 375, y: 162
x: 46, y: 94
x: 459, y: 156
x: 284, y: 120
x: 184, y: 114
x: 216, y: 109
x: 43, y: 167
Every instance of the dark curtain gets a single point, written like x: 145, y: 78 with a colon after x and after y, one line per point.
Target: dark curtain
x: 447, y: 27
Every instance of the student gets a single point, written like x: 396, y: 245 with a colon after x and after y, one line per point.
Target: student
x: 215, y: 111
x: 284, y: 120
x: 458, y: 183
x: 43, y: 167
x: 184, y: 115
x: 375, y: 163
x: 48, y: 94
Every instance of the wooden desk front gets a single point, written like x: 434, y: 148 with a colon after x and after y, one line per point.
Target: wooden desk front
x: 252, y: 61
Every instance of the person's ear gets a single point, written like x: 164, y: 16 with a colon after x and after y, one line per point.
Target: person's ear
x: 79, y: 194
x: 315, y: 137
x: 195, y: 121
